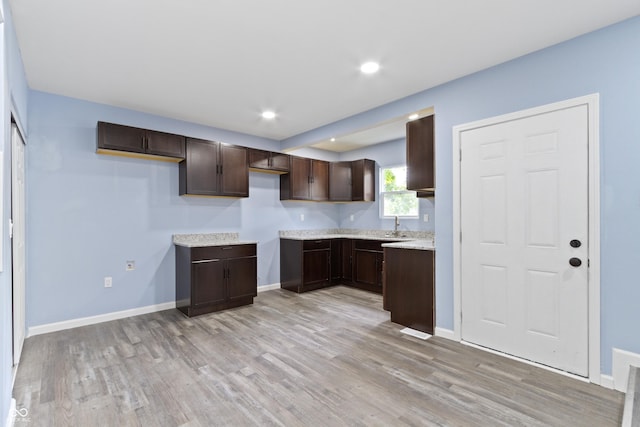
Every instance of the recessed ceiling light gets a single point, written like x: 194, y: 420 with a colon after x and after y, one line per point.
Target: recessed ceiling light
x: 268, y: 115
x: 370, y: 67
x: 413, y: 116
x: 333, y: 140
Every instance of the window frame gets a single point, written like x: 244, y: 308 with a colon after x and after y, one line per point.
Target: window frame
x: 381, y: 194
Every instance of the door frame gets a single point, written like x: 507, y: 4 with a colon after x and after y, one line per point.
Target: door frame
x: 16, y: 131
x: 592, y: 102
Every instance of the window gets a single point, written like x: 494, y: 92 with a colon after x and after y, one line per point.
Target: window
x: 395, y: 199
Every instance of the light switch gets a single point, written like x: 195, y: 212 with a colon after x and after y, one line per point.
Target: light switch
x: 425, y: 217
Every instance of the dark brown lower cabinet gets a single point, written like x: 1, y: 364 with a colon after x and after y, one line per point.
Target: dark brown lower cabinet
x: 214, y: 278
x: 305, y: 265
x: 367, y: 265
x: 409, y: 291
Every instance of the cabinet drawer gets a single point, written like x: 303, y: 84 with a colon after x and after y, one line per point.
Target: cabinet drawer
x: 369, y: 245
x: 222, y: 252
x: 316, y: 244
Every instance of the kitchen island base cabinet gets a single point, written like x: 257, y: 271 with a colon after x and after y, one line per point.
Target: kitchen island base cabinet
x: 305, y: 265
x: 409, y: 287
x: 215, y: 278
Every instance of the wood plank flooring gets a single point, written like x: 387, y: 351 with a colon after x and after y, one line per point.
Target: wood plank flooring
x: 325, y: 358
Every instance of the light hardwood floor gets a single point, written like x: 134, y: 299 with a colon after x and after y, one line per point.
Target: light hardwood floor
x: 325, y: 358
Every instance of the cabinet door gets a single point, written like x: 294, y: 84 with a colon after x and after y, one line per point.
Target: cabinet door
x: 234, y: 171
x: 363, y: 187
x: 420, y: 154
x: 316, y: 267
x: 380, y: 269
x: 366, y: 268
x: 198, y: 173
x: 241, y: 274
x: 299, y: 178
x: 340, y: 181
x: 121, y: 138
x: 207, y: 282
x: 319, y: 180
x: 165, y: 144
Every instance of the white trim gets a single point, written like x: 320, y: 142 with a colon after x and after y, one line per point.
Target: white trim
x: 92, y: 320
x: 270, y: 287
x: 621, y: 360
x: 11, y: 416
x: 592, y: 101
x: 445, y: 333
x: 606, y: 381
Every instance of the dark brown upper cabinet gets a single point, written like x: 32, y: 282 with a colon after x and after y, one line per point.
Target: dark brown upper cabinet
x: 268, y: 161
x: 130, y: 141
x: 340, y: 185
x: 421, y: 156
x: 352, y: 181
x: 308, y: 179
x: 214, y: 169
x: 363, y: 180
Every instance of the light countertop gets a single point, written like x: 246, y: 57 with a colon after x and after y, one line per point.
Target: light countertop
x: 404, y: 239
x: 209, y: 239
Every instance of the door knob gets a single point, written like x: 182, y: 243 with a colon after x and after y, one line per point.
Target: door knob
x: 575, y: 243
x: 575, y: 262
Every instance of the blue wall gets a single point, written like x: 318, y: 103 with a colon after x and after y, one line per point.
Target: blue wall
x: 89, y: 213
x: 605, y: 61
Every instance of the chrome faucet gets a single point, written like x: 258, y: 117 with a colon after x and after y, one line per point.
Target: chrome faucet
x: 396, y: 225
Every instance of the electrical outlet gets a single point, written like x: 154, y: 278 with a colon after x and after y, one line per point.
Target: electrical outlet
x: 130, y: 266
x: 351, y: 218
x: 302, y: 217
x: 425, y: 217
x: 108, y: 282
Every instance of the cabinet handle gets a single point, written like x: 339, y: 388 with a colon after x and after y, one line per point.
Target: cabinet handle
x: 228, y: 273
x: 220, y: 169
x: 226, y: 248
x: 204, y: 261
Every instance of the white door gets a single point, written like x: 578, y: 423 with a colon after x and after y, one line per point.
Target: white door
x: 17, y: 242
x: 524, y: 220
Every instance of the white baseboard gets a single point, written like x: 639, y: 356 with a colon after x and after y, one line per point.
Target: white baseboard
x: 92, y: 320
x: 445, y: 333
x: 265, y: 288
x: 606, y: 381
x: 620, y: 367
x: 11, y: 416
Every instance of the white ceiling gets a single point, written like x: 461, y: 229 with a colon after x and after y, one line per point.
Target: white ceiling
x: 221, y: 62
